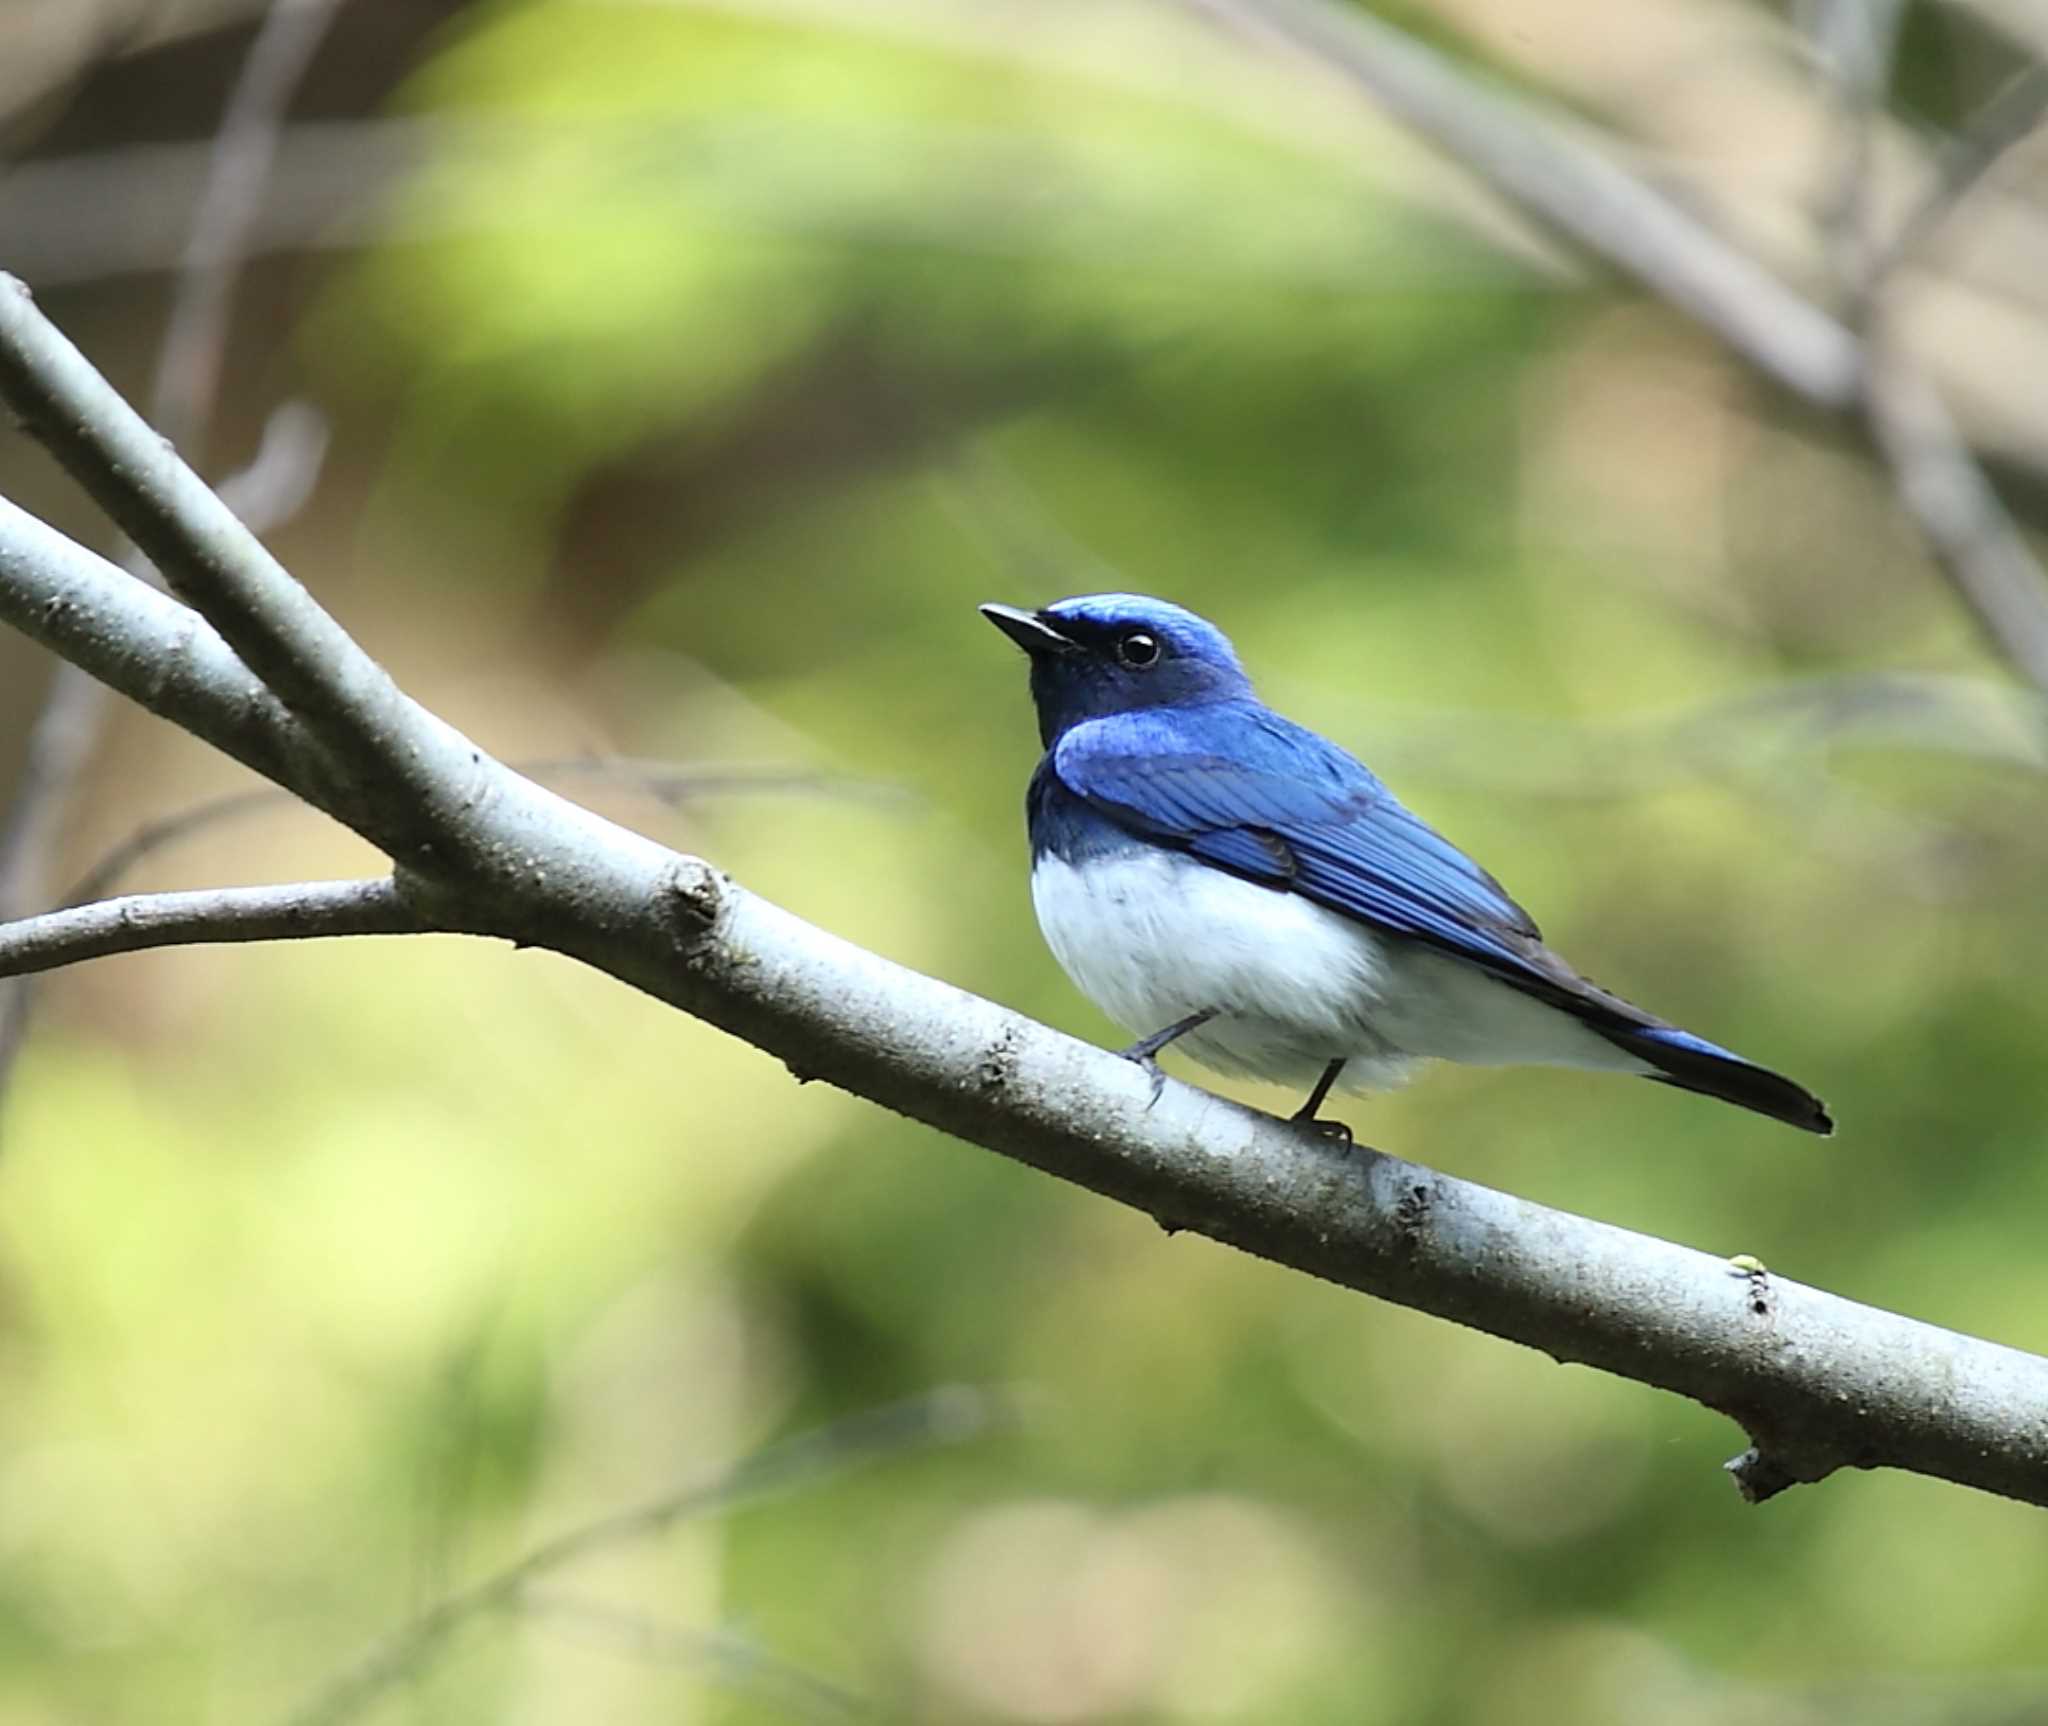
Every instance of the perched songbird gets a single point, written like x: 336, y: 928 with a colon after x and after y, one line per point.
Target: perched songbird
x: 1211, y: 874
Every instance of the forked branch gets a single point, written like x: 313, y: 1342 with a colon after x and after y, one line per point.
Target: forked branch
x: 261, y: 671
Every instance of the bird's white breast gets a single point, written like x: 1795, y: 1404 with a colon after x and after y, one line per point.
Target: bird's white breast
x: 1151, y: 936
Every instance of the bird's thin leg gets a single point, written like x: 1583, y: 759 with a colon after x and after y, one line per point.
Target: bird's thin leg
x: 1145, y: 1050
x: 1307, y: 1111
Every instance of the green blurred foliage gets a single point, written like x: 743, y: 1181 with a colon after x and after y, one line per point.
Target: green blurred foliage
x: 338, y: 1277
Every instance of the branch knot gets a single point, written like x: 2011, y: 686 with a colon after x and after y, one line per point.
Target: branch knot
x: 692, y: 896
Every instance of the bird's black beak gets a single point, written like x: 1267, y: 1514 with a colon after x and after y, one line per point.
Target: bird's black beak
x: 1028, y: 629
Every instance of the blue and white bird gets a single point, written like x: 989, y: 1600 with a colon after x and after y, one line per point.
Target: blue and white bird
x: 1213, y: 875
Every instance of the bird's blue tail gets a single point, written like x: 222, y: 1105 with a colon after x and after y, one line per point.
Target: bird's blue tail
x: 1694, y: 1064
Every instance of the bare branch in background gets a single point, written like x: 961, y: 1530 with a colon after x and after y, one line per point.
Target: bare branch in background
x: 154, y: 836
x: 1567, y: 182
x: 60, y: 743
x: 1997, y: 127
x: 244, y: 150
x: 1027, y: 541
x: 279, y: 480
x: 733, y: 1660
x: 182, y: 398
x: 1743, y: 739
x: 1818, y: 1383
x: 954, y: 1414
x: 330, y: 178
x: 1855, y: 42
x: 1785, y: 337
x: 1944, y: 488
x: 1966, y: 527
x: 671, y: 784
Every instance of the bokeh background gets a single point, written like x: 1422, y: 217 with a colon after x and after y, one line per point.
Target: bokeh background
x: 690, y: 370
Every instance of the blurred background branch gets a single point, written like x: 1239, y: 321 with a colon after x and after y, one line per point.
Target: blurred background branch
x: 734, y: 1662
x: 669, y: 784
x: 181, y: 407
x: 1790, y: 340
x: 950, y: 1415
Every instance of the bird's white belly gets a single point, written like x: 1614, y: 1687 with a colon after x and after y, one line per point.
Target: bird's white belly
x: 1151, y: 937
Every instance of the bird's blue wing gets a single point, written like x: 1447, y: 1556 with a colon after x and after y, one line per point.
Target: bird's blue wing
x: 1241, y: 788
x: 1245, y: 790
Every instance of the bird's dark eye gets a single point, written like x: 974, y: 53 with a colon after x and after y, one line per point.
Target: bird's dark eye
x: 1138, y: 649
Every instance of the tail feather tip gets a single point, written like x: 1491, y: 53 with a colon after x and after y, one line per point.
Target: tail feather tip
x: 1694, y: 1064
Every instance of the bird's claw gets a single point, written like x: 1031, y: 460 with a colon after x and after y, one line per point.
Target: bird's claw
x: 1150, y: 1067
x: 1332, y: 1132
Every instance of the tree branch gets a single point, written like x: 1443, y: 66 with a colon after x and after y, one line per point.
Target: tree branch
x: 348, y: 702
x: 1818, y: 1382
x: 205, y: 917
x: 270, y: 489
x: 149, y: 648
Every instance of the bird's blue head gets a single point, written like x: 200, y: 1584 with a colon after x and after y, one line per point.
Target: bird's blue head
x: 1105, y: 653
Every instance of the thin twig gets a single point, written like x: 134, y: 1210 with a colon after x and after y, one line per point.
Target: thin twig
x: 278, y: 481
x: 987, y: 496
x: 59, y: 737
x: 2011, y: 114
x: 735, y: 1660
x: 303, y: 910
x: 1960, y: 515
x: 238, y: 177
x: 59, y: 744
x: 1938, y: 479
x: 153, y: 836
x: 675, y: 785
x: 1743, y: 738
x: 666, y: 782
x: 1855, y: 42
x: 951, y: 1415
